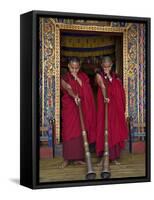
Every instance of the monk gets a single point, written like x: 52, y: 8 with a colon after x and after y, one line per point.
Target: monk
x: 117, y: 127
x: 76, y: 88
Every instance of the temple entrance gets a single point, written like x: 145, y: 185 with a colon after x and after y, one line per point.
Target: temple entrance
x: 90, y: 47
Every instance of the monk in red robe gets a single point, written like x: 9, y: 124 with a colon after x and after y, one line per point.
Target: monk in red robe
x: 76, y: 87
x: 117, y: 127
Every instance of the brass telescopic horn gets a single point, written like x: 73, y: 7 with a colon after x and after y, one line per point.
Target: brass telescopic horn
x: 91, y: 174
x: 105, y: 173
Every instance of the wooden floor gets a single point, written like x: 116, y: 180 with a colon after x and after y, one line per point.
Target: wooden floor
x: 131, y: 165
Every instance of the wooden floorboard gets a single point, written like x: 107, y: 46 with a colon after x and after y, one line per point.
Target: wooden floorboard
x: 131, y: 165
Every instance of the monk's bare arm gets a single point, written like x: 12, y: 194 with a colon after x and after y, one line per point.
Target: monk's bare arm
x: 99, y: 81
x: 68, y: 88
x: 100, y: 84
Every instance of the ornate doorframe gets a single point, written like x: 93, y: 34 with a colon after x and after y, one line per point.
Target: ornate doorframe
x: 50, y: 63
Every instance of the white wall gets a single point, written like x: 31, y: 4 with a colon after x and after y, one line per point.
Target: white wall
x: 9, y: 99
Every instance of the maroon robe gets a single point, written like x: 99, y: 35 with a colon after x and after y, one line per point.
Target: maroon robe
x: 117, y: 127
x: 71, y: 128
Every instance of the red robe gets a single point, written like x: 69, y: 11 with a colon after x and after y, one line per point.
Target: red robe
x: 117, y: 127
x: 71, y: 128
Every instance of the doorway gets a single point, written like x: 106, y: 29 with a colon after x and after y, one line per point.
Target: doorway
x: 90, y: 47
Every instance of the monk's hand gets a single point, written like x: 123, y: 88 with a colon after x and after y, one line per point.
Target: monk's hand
x: 74, y: 75
x: 77, y: 100
x: 106, y: 100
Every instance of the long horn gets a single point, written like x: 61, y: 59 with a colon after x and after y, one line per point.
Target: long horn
x: 90, y: 174
x: 105, y: 173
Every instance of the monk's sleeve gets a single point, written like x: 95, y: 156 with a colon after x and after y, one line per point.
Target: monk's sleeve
x: 122, y: 92
x: 86, y: 83
x: 86, y: 79
x: 89, y: 108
